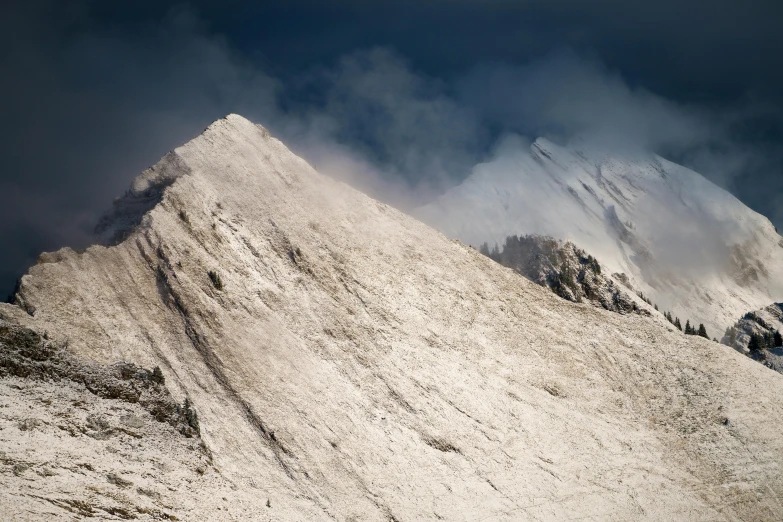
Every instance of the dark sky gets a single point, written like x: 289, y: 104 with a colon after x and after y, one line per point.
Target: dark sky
x: 401, y: 95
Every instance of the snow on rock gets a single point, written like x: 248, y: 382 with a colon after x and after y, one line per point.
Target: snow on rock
x: 81, y: 439
x: 692, y: 247
x: 348, y: 362
x: 766, y: 325
x: 567, y: 270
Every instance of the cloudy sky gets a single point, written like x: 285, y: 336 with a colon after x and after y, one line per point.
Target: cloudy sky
x: 401, y: 98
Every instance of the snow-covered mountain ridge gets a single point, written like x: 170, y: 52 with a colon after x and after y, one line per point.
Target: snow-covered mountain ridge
x: 689, y: 245
x: 347, y: 362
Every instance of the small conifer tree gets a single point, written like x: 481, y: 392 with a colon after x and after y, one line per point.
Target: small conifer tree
x: 702, y: 331
x: 677, y: 323
x: 731, y: 335
x: 778, y: 339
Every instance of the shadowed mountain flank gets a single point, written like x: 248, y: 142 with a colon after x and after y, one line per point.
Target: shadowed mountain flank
x: 144, y: 194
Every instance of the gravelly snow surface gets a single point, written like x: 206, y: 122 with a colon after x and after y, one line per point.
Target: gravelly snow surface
x: 348, y: 362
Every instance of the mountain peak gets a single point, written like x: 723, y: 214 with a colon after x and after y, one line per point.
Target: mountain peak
x: 232, y: 124
x: 146, y: 190
x: 345, y: 361
x: 543, y: 146
x: 688, y: 244
x: 542, y: 142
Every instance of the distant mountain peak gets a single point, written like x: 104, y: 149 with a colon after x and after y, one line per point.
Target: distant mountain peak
x: 685, y: 242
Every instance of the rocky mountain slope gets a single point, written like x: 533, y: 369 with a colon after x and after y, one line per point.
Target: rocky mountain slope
x: 347, y: 362
x: 567, y: 270
x: 759, y: 334
x: 690, y: 246
x: 89, y: 440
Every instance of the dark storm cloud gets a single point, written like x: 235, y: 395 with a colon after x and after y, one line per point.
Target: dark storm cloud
x: 565, y: 96
x: 699, y: 49
x: 695, y: 48
x: 400, y: 99
x: 382, y: 126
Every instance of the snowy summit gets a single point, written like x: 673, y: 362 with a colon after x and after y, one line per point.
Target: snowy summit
x: 260, y: 342
x: 689, y: 245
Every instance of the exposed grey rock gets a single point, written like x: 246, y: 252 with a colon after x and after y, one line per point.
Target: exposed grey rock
x: 24, y: 353
x: 764, y: 324
x: 565, y: 269
x: 69, y: 452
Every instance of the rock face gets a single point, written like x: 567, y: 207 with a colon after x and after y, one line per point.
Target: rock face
x: 347, y: 362
x: 78, y: 439
x: 766, y: 326
x: 25, y: 354
x: 690, y: 246
x: 565, y: 269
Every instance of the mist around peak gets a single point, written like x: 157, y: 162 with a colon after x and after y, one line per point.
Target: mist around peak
x: 372, y: 116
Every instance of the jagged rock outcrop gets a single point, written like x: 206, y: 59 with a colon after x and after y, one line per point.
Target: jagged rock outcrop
x: 348, y: 362
x: 759, y: 335
x: 565, y: 269
x: 24, y: 353
x: 79, y: 439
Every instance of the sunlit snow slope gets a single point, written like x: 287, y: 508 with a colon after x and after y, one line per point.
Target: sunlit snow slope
x: 347, y: 362
x: 690, y: 245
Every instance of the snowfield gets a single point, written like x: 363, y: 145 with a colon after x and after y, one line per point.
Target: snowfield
x: 692, y: 247
x: 348, y: 362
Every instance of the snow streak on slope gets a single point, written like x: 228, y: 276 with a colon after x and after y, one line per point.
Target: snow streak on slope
x: 354, y: 364
x: 691, y: 246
